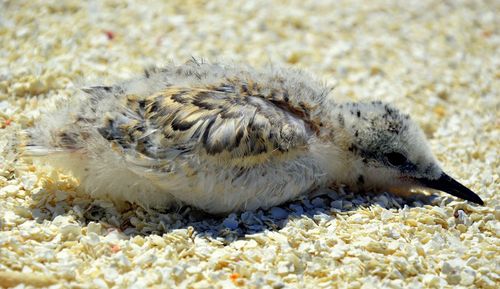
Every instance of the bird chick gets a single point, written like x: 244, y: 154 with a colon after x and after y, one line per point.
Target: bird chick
x: 225, y: 138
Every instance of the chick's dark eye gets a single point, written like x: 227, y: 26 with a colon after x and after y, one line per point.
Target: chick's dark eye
x: 396, y: 159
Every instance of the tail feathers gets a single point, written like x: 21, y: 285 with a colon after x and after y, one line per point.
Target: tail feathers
x: 40, y: 151
x: 23, y: 145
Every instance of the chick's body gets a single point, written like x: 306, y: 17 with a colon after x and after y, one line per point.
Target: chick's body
x: 209, y: 135
x: 223, y: 138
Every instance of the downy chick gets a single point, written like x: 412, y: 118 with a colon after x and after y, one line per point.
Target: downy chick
x: 225, y: 138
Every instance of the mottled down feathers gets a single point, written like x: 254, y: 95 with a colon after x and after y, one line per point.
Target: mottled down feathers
x: 225, y: 120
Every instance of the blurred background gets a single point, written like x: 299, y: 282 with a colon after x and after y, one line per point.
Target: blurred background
x: 428, y: 52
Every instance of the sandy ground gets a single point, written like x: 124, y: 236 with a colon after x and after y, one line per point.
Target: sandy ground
x: 437, y: 60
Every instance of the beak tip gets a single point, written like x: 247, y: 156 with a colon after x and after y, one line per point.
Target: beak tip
x: 478, y: 201
x: 447, y: 184
x: 474, y: 199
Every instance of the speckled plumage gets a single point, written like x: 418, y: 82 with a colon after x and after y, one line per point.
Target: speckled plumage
x: 226, y: 138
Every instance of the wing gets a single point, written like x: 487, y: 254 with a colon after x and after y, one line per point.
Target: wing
x: 227, y: 121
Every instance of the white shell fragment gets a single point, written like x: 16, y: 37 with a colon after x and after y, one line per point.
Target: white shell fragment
x: 437, y: 60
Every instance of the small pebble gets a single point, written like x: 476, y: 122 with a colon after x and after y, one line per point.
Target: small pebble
x: 318, y: 202
x: 383, y: 201
x: 9, y: 190
x: 278, y: 213
x: 297, y: 209
x: 336, y: 204
x: 230, y: 222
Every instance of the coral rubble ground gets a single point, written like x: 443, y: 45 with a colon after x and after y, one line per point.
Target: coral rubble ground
x: 437, y: 60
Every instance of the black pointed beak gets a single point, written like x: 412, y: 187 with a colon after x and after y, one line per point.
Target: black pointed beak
x: 447, y: 184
